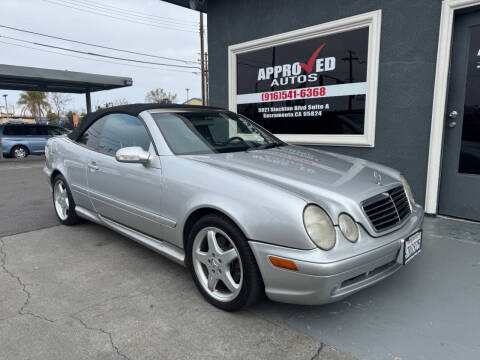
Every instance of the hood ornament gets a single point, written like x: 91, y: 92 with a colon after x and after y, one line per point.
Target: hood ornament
x: 378, y: 178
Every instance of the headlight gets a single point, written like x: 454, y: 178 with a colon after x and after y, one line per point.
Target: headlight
x: 349, y: 227
x: 408, y: 190
x: 319, y: 227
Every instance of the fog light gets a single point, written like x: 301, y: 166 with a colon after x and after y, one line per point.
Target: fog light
x: 349, y: 227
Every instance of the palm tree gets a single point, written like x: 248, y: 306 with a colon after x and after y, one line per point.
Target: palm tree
x: 35, y: 102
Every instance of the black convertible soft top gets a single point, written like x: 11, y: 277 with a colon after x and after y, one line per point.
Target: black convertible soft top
x: 131, y: 109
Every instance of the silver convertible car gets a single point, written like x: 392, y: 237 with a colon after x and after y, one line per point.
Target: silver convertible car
x: 246, y: 212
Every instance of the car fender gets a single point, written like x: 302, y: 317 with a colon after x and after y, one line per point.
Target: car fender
x: 53, y: 158
x: 263, y: 212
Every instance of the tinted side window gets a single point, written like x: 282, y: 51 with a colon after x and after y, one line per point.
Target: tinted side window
x: 44, y: 131
x: 9, y: 130
x: 30, y: 130
x: 91, y: 136
x: 121, y: 130
x: 54, y: 130
x: 15, y: 130
x: 37, y: 130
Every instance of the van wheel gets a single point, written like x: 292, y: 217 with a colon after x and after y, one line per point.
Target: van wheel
x: 19, y: 152
x: 222, y: 264
x: 63, y: 202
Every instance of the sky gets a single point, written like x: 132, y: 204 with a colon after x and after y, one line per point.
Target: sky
x: 160, y: 36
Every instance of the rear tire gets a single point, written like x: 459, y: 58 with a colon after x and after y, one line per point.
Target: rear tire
x: 63, y: 202
x: 223, y: 266
x: 19, y: 152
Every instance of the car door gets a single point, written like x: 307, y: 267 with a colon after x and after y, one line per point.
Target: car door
x: 37, y: 137
x: 127, y: 193
x: 11, y: 137
x: 76, y: 158
x: 16, y: 134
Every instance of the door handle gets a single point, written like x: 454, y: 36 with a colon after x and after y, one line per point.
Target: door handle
x: 452, y: 124
x: 93, y: 166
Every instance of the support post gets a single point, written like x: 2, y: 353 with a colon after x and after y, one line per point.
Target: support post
x: 89, y: 102
x: 207, y: 81
x: 6, y: 112
x: 6, y: 105
x: 202, y: 58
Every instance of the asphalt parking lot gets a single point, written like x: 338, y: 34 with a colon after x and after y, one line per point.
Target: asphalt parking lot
x: 24, y: 196
x: 85, y: 292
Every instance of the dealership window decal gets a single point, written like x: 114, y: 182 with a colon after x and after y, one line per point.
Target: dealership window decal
x: 316, y: 85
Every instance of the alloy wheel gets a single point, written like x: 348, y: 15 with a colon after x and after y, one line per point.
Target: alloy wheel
x: 20, y: 153
x: 60, y: 196
x: 217, y: 264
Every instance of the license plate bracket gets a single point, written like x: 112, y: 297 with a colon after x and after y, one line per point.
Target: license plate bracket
x: 412, y: 246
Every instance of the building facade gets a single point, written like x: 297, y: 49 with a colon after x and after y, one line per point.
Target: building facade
x: 17, y: 119
x: 193, y: 101
x: 395, y: 82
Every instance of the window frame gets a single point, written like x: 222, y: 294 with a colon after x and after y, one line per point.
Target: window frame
x: 116, y: 113
x: 51, y: 128
x: 9, y: 127
x: 372, y: 20
x: 40, y: 129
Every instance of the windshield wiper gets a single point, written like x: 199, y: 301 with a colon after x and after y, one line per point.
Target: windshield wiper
x: 266, y: 146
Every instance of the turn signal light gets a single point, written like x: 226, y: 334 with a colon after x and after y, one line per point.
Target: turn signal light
x: 283, y: 263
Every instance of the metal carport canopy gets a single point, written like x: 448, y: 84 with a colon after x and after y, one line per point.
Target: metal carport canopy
x: 30, y: 78
x: 38, y: 79
x: 200, y: 5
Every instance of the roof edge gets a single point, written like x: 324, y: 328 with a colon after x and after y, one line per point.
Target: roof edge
x: 198, y: 5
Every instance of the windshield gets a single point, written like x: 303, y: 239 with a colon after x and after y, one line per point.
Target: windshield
x: 189, y: 133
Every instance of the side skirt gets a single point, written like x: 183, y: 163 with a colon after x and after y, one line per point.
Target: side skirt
x: 162, y: 247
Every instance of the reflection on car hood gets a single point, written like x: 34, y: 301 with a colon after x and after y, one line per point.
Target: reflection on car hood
x: 309, y: 173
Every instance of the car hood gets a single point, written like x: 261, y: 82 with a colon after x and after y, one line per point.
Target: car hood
x: 312, y: 174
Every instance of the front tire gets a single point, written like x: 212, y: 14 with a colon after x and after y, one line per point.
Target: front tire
x: 222, y: 264
x: 63, y: 202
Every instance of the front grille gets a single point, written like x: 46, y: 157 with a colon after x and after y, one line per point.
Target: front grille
x: 387, y: 209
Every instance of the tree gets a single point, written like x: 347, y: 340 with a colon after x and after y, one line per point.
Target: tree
x: 160, y: 96
x: 116, y: 102
x: 35, y: 102
x: 120, y: 101
x: 52, y: 118
x: 60, y: 102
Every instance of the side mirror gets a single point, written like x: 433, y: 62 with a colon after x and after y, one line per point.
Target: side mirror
x: 133, y: 154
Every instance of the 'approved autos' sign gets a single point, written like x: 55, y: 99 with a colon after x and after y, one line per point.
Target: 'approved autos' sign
x: 314, y: 86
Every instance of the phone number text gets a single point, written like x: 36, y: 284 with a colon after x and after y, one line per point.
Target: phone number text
x: 294, y: 94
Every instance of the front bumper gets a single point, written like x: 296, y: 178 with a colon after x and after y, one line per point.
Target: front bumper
x: 320, y: 282
x: 48, y: 176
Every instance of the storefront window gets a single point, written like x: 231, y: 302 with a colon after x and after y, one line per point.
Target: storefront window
x: 313, y: 85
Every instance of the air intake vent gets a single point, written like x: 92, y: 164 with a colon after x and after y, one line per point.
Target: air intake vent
x: 387, y: 209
